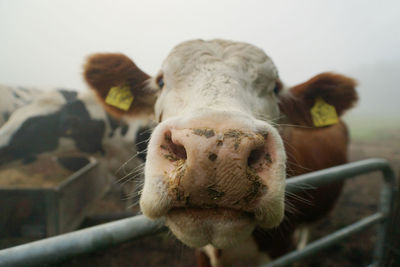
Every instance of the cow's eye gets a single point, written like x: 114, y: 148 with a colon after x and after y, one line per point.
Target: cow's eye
x: 277, y: 87
x: 160, y: 81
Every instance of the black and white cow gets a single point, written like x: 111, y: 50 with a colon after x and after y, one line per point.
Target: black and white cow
x: 63, y: 122
x: 12, y: 98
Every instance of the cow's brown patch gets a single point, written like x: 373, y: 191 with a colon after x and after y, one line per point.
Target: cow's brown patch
x: 335, y: 89
x: 329, y: 148
x: 104, y: 71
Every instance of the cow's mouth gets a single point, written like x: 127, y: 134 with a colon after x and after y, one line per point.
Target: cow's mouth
x: 215, y: 212
x: 221, y: 227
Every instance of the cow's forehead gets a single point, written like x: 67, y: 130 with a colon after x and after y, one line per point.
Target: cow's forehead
x: 190, y: 58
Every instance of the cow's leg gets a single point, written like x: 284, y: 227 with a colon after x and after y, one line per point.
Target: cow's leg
x: 302, y: 235
x: 246, y: 254
x: 202, y: 259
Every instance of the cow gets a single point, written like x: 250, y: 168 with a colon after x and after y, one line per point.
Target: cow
x: 72, y: 125
x: 229, y: 134
x: 14, y: 97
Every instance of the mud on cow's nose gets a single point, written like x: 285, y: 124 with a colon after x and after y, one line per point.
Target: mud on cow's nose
x: 215, y: 167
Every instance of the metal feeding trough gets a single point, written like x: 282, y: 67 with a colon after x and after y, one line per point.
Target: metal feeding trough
x: 42, y: 212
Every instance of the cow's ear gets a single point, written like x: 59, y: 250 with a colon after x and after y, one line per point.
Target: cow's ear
x: 320, y: 101
x: 121, y: 86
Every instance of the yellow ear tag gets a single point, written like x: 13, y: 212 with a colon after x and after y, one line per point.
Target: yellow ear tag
x: 120, y: 97
x: 323, y: 114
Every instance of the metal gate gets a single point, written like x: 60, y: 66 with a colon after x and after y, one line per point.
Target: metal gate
x: 56, y: 249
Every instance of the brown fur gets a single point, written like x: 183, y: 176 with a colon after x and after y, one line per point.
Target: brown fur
x: 311, y: 150
x: 308, y: 150
x: 103, y: 71
x: 337, y: 90
x: 202, y: 259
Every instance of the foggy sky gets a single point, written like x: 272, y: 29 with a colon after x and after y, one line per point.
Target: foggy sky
x: 44, y: 43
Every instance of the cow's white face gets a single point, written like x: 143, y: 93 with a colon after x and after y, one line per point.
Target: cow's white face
x: 218, y: 75
x: 215, y: 166
x: 215, y: 169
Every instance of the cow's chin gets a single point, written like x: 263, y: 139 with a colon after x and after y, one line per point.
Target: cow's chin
x: 221, y: 227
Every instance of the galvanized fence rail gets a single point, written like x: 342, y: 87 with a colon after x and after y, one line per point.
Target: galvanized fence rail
x: 343, y: 172
x: 58, y: 248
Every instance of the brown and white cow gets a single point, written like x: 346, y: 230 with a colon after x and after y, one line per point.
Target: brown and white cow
x: 228, y: 136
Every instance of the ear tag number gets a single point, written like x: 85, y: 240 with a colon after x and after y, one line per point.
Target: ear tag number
x: 323, y: 114
x: 120, y: 97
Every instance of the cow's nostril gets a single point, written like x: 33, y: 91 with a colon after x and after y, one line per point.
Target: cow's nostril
x: 255, y: 156
x: 176, y: 151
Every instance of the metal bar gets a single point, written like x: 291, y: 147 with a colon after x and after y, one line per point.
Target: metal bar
x: 61, y: 247
x: 93, y: 162
x: 325, y: 242
x: 349, y: 170
x: 387, y: 199
x: 341, y: 172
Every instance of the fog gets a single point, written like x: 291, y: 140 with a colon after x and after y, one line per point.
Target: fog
x: 44, y: 43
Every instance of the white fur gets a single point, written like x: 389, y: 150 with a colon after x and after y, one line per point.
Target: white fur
x: 218, y: 75
x: 221, y: 79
